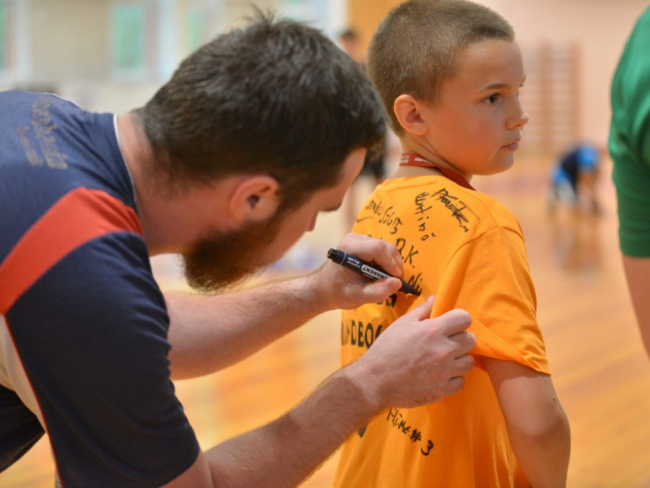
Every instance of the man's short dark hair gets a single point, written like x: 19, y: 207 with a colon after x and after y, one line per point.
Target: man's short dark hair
x: 276, y: 97
x: 414, y: 50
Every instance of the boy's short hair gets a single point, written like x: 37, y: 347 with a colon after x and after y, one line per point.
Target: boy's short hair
x: 415, y: 47
x: 276, y: 97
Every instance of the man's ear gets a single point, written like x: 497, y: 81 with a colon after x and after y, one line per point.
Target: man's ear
x: 254, y: 198
x: 408, y: 113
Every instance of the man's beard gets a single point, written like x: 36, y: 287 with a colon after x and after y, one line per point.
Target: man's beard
x: 223, y: 259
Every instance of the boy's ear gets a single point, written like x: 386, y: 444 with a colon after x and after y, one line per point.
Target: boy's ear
x: 407, y: 111
x: 254, y: 198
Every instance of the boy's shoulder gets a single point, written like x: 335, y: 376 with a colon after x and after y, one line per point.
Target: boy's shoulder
x: 493, y: 209
x: 438, y: 203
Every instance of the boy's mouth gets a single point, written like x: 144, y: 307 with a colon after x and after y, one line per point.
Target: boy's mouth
x: 513, y: 146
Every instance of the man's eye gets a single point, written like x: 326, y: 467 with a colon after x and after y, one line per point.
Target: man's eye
x: 493, y: 98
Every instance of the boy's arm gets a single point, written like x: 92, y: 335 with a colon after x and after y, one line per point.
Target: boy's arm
x: 537, y: 425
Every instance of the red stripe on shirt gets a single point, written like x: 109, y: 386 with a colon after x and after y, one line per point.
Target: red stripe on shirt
x: 78, y: 217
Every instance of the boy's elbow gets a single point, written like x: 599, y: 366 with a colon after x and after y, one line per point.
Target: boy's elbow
x: 550, y: 430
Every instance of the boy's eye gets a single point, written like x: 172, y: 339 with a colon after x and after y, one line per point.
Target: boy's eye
x: 493, y: 98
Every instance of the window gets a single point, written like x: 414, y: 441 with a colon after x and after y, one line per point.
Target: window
x: 144, y: 38
x: 4, y: 37
x: 314, y: 12
x: 328, y: 15
x: 128, y: 37
x: 15, y: 59
x: 195, y: 30
x: 202, y: 22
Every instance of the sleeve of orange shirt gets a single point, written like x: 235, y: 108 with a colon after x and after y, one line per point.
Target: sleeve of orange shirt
x: 490, y: 278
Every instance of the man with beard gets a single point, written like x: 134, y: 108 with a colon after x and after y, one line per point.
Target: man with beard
x: 228, y: 165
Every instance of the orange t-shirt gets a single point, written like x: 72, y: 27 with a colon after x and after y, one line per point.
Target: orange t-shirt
x: 468, y: 250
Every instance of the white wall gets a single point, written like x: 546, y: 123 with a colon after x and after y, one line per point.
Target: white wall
x: 69, y: 50
x: 69, y: 44
x: 69, y: 39
x: 600, y: 26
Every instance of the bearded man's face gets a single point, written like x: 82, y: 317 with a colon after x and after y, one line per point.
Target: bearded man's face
x: 222, y: 259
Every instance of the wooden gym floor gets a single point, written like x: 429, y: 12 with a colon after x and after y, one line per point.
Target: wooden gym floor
x: 599, y: 367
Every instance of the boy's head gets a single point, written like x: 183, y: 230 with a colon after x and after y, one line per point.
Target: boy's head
x: 449, y: 74
x: 415, y: 48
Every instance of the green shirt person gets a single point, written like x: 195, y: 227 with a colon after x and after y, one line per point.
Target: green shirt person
x: 629, y: 147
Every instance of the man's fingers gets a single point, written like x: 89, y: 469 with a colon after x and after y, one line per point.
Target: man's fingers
x: 454, y: 385
x: 422, y: 311
x: 379, y: 291
x: 455, y: 321
x: 463, y: 365
x: 383, y: 253
x: 466, y: 341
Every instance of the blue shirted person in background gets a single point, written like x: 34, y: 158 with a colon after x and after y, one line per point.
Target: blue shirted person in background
x: 574, y: 176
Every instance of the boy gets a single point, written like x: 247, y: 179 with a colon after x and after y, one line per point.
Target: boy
x: 449, y: 72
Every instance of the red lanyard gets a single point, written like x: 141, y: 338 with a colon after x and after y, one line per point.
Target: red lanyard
x: 412, y: 159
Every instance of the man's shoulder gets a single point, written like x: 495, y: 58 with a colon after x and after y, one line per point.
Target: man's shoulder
x: 50, y: 148
x: 33, y: 102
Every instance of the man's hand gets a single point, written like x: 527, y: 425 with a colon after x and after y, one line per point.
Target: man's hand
x: 202, y: 345
x: 340, y: 288
x: 417, y: 360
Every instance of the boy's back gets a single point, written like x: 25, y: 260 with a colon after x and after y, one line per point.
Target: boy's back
x: 468, y: 249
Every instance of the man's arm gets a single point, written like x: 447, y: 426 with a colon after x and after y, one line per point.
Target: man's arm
x: 414, y: 362
x: 537, y: 425
x: 637, y: 272
x: 211, y: 332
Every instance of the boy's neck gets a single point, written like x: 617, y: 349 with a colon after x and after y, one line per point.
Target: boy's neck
x: 413, y: 146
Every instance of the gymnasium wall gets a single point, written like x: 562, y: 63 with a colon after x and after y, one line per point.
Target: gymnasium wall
x: 69, y: 39
x: 599, y: 27
x: 64, y: 46
x: 68, y: 45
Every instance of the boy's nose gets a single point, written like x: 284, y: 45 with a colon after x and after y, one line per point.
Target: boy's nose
x: 519, y: 119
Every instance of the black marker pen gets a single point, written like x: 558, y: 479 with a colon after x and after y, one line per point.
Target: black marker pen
x: 364, y: 269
